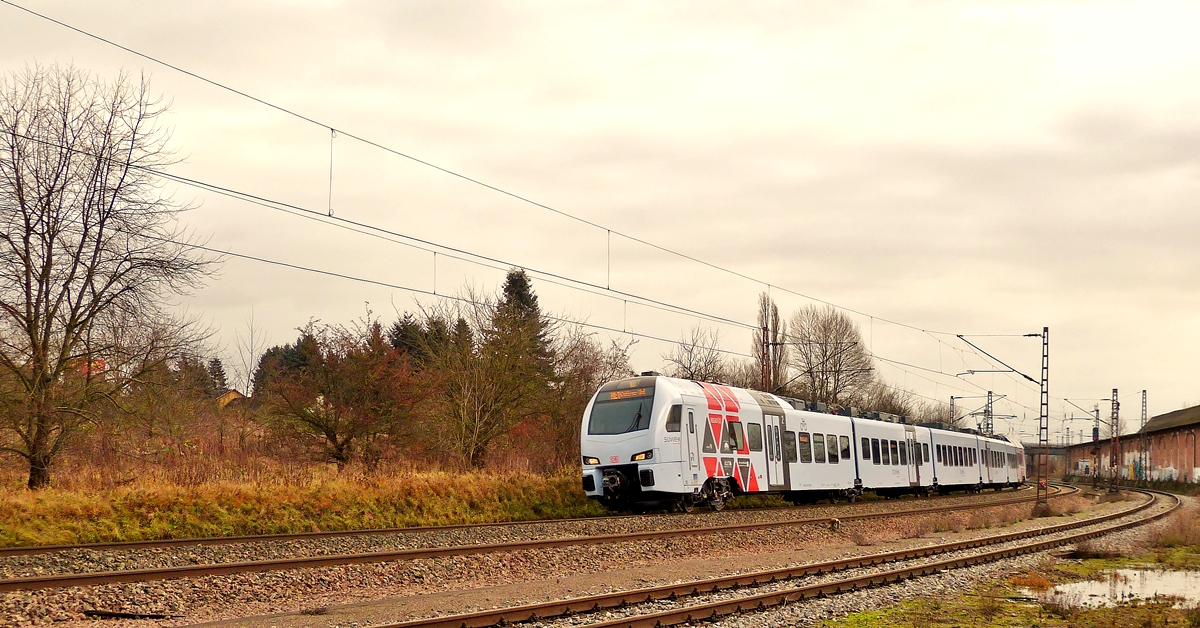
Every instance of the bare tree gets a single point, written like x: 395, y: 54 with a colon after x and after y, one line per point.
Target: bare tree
x: 698, y: 357
x: 250, y: 344
x: 882, y: 397
x: 582, y: 365
x: 777, y: 348
x: 90, y: 250
x: 828, y: 354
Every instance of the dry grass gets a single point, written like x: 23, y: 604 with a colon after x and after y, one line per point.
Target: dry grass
x: 1031, y: 580
x: 1192, y: 617
x: 1181, y: 530
x: 1063, y: 605
x: 320, y: 499
x: 989, y: 602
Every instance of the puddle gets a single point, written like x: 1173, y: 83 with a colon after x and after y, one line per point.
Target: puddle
x: 1125, y: 585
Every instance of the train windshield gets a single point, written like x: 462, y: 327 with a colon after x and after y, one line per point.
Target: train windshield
x: 619, y: 416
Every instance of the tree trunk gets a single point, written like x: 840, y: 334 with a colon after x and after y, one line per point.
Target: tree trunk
x: 39, y: 472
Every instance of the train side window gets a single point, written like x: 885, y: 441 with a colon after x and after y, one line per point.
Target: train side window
x: 941, y: 454
x: 674, y: 418
x: 737, y: 436
x: 691, y: 423
x: 866, y: 448
x: 903, y: 453
x: 754, y: 431
x: 789, y: 446
x: 778, y: 449
x: 974, y: 457
x: 924, y: 452
x: 958, y: 456
x: 845, y: 441
x: 805, y: 447
x: 875, y: 450
x: 895, y: 453
x: 883, y: 449
x: 818, y: 448
x: 832, y: 448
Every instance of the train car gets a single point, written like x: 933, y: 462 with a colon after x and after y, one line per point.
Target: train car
x: 659, y: 440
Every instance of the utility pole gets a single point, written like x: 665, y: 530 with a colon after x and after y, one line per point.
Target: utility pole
x: 1143, y: 446
x: 1114, y: 451
x: 987, y: 416
x: 1043, y: 488
x: 1096, y: 448
x: 766, y: 359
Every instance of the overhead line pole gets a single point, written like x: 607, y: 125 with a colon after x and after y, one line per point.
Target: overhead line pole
x: 1115, y: 449
x: 1143, y: 446
x: 1043, y: 465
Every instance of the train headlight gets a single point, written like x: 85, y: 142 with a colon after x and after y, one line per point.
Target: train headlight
x: 645, y: 455
x: 590, y: 460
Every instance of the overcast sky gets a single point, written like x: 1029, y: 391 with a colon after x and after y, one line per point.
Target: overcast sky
x: 956, y: 167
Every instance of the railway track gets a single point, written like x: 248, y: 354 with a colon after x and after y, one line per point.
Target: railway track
x: 31, y: 550
x: 778, y: 596
x: 216, y: 569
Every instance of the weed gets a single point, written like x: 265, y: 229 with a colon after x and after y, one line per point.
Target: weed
x: 1192, y: 616
x: 1031, y: 580
x: 319, y: 610
x: 1182, y: 530
x: 1063, y: 605
x: 862, y: 539
x: 1091, y: 549
x: 989, y: 602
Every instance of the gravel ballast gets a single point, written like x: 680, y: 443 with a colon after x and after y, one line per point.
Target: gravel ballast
x: 218, y: 597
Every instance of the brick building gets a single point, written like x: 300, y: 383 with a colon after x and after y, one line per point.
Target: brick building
x: 1169, y: 441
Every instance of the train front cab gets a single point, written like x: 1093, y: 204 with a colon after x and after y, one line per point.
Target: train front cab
x: 631, y: 441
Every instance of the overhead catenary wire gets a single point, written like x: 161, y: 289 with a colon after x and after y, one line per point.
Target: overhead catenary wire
x: 387, y: 235
x: 609, y: 232
x: 459, y: 175
x: 334, y: 130
x: 451, y: 297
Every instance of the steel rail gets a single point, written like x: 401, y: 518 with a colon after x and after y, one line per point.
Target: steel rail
x: 558, y: 608
x: 29, y: 550
x: 713, y: 610
x: 58, y: 581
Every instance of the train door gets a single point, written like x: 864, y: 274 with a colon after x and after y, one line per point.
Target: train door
x: 773, y: 427
x: 988, y: 462
x: 910, y: 442
x: 691, y: 447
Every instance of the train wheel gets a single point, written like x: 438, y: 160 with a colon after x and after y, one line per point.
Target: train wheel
x: 686, y: 504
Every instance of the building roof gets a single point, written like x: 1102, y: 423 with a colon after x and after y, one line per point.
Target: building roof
x: 1172, y: 420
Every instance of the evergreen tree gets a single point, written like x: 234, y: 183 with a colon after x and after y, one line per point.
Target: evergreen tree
x: 216, y: 372
x: 519, y: 325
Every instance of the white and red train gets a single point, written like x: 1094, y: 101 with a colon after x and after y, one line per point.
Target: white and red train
x: 660, y: 440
